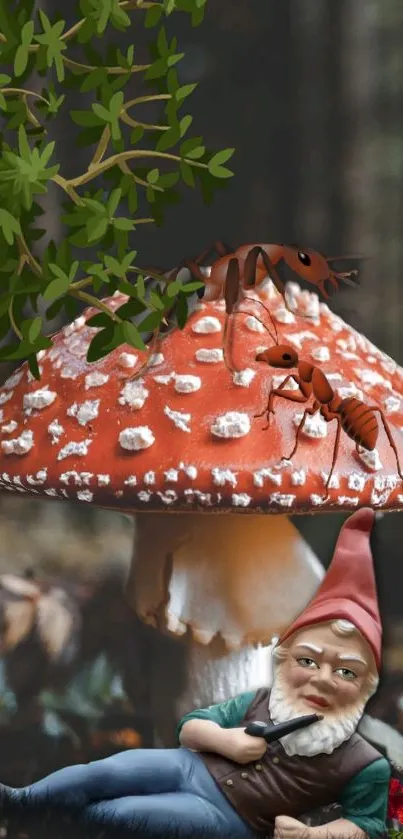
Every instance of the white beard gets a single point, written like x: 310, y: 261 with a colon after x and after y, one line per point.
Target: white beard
x: 319, y: 738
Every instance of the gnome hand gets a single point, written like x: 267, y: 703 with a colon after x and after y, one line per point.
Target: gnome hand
x: 286, y: 827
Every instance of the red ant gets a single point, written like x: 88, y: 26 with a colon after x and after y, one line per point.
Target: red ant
x: 357, y: 419
x: 254, y: 263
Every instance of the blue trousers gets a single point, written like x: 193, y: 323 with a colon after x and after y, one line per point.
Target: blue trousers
x: 155, y: 789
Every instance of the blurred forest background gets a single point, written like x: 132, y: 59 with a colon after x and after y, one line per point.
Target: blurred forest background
x: 310, y: 94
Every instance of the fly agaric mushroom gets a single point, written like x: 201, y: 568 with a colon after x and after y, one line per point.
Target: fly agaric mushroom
x: 180, y: 445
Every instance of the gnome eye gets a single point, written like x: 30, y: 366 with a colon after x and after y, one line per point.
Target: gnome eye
x: 307, y: 662
x: 346, y: 674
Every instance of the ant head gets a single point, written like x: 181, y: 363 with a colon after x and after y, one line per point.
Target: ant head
x: 308, y: 264
x: 282, y: 355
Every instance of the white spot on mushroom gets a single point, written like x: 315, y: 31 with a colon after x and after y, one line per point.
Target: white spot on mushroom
x: 243, y: 378
x: 156, y: 359
x: 223, y: 476
x: 13, y: 380
x: 127, y: 360
x: 335, y: 323
x: 164, y: 380
x: 379, y: 498
x: 298, y: 337
x: 213, y: 356
x: 10, y: 427
x: 134, y: 394
x: 103, y: 480
x: 392, y: 404
x: 77, y: 346
x: 144, y: 496
x: 382, y: 482
x: 19, y: 445
x: 334, y: 482
x: 241, y: 499
x: 39, y: 478
x: 77, y: 324
x: 277, y: 380
x: 314, y: 426
x: 131, y: 481
x: 85, y: 495
x: 187, y: 383
x: 68, y: 371
x: 38, y: 399
x: 317, y: 500
x: 356, y: 481
x: 321, y: 353
x: 230, y: 425
x: 171, y: 475
x: 206, y: 325
x: 149, y: 478
x: 78, y: 478
x: 203, y: 498
x: 168, y: 497
x: 298, y: 478
x: 179, y: 418
x: 85, y: 412
x: 371, y: 459
x: 282, y: 500
x: 79, y: 449
x: 1, y: 415
x: 55, y: 430
x: 4, y: 397
x: 253, y: 324
x: 348, y: 499
x: 350, y: 390
x: 95, y: 379
x: 372, y: 378
x: 136, y: 438
x: 260, y: 476
x: 190, y: 471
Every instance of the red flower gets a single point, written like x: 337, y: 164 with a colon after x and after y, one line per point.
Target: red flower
x: 395, y: 808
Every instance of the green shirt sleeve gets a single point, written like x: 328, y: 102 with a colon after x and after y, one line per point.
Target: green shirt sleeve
x: 365, y: 798
x: 227, y: 714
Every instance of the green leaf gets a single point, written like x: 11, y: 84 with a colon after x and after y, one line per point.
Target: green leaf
x: 152, y: 176
x: 86, y: 118
x: 132, y: 335
x: 34, y: 329
x: 124, y: 223
x: 184, y: 91
x: 9, y: 225
x: 96, y: 228
x: 56, y: 288
x: 187, y: 173
x: 153, y: 16
x: 214, y: 165
x: 21, y: 60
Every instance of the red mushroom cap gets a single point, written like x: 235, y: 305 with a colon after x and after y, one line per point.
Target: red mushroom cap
x: 183, y: 437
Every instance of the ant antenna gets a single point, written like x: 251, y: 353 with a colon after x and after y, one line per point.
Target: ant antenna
x: 243, y: 312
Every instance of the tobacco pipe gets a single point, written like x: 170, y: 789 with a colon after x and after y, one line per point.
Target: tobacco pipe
x: 273, y: 732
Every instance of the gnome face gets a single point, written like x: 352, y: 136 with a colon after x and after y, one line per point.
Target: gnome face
x: 328, y: 669
x: 325, y: 671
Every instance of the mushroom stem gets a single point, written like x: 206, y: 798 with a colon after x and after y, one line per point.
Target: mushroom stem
x: 225, y: 584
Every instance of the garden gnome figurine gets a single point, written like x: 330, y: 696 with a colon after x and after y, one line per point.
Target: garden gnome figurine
x: 224, y: 782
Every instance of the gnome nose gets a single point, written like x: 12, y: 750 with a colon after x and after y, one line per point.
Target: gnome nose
x: 323, y: 677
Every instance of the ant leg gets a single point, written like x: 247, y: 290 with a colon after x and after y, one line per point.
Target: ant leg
x: 390, y: 438
x: 286, y: 380
x: 219, y: 247
x: 151, y: 348
x: 307, y: 412
x: 277, y: 282
x: 232, y: 284
x: 249, y: 268
x: 335, y: 453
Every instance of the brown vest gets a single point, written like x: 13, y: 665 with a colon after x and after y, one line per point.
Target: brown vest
x: 282, y: 785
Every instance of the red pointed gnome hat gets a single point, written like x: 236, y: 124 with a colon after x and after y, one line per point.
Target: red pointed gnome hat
x: 348, y: 590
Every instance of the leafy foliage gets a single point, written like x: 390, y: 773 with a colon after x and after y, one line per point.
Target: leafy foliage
x: 140, y: 161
